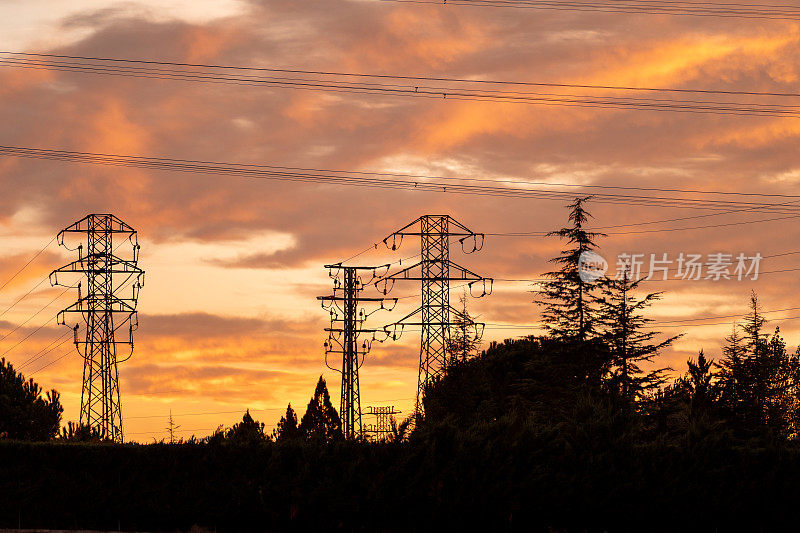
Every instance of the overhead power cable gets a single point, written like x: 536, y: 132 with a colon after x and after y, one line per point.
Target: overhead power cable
x: 54, y: 361
x: 637, y: 7
x: 18, y: 300
x: 392, y: 181
x: 34, y: 315
x: 46, y: 350
x: 740, y: 103
x: 26, y: 265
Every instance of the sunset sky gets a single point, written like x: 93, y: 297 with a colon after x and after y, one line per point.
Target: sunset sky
x: 228, y: 314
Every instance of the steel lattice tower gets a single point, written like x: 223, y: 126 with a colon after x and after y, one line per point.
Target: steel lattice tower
x: 435, y: 271
x: 104, y: 313
x: 347, y: 321
x: 383, y: 421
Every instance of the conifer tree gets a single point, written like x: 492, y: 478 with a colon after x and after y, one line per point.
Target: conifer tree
x: 464, y: 340
x: 733, y: 376
x: 631, y: 343
x: 248, y: 431
x: 24, y: 413
x: 700, y: 386
x: 321, y: 421
x: 287, y: 429
x: 569, y: 303
x: 781, y: 370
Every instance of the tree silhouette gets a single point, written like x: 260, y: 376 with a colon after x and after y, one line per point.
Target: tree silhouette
x: 321, y: 421
x: 24, y: 413
x: 621, y: 314
x: 248, y: 431
x: 568, y: 302
x: 73, y: 432
x: 464, y: 340
x: 699, y: 384
x: 171, y: 428
x: 733, y: 377
x: 287, y: 429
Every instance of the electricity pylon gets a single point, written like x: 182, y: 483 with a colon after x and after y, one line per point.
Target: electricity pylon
x: 347, y: 321
x: 435, y: 271
x: 104, y: 313
x: 383, y: 423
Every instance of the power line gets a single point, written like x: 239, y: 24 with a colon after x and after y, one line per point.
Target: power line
x: 31, y: 260
x: 409, y: 78
x: 210, y: 413
x: 660, y: 230
x: 637, y: 7
x: 378, y: 180
x: 34, y: 315
x: 459, y: 89
x: 51, y: 363
x: 10, y: 307
x: 44, y: 351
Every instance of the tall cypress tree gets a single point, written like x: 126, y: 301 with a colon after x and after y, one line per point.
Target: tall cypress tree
x: 287, y: 427
x: 570, y: 304
x: 321, y: 420
x: 631, y: 343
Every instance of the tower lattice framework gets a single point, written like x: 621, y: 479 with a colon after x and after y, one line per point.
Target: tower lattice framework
x: 344, y: 335
x: 435, y: 271
x: 382, y: 427
x: 103, y: 312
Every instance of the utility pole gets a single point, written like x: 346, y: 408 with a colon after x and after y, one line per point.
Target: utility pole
x: 383, y: 423
x: 435, y: 271
x: 103, y: 312
x: 347, y: 321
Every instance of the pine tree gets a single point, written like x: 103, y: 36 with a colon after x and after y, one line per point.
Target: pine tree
x: 756, y: 364
x: 24, y: 413
x: 631, y: 344
x: 733, y: 376
x: 287, y: 429
x: 568, y: 302
x: 248, y: 431
x: 700, y: 389
x: 779, y: 402
x: 80, y: 433
x: 321, y: 421
x: 464, y: 340
x: 759, y: 378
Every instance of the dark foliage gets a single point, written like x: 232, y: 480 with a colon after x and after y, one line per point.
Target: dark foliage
x: 80, y: 433
x: 321, y: 422
x: 287, y: 429
x: 248, y: 431
x: 24, y: 413
x: 514, y: 474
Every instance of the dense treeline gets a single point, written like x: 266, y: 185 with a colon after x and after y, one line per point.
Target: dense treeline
x: 577, y: 429
x: 588, y: 471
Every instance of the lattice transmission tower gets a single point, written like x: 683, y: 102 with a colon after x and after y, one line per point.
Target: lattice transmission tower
x: 346, y: 332
x: 103, y: 312
x: 435, y: 271
x: 382, y: 427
